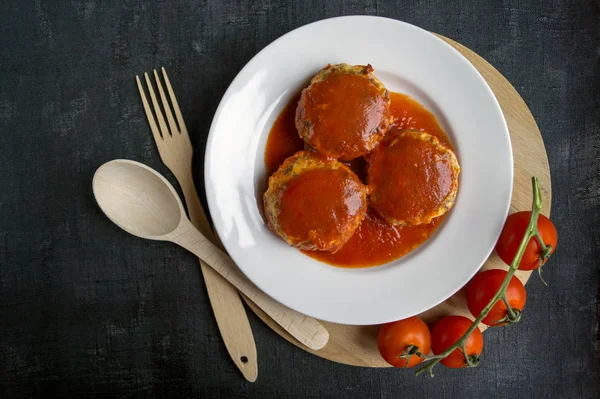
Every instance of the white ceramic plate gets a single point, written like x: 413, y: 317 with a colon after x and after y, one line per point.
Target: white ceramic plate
x: 407, y: 59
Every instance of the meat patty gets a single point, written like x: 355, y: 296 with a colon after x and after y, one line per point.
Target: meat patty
x: 344, y: 112
x: 412, y: 178
x: 314, y: 203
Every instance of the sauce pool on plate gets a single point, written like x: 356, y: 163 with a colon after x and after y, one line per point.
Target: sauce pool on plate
x: 376, y: 242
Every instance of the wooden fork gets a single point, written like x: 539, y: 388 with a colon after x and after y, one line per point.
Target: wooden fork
x: 176, y: 152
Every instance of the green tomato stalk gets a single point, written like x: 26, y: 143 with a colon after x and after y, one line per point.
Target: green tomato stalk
x: 513, y: 314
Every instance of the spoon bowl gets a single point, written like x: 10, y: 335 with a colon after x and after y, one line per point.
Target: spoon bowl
x: 137, y: 199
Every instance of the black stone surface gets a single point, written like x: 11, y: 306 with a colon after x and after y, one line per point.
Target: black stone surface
x: 87, y: 310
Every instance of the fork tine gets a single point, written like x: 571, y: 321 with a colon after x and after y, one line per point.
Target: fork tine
x: 149, y: 116
x: 180, y: 121
x: 161, y: 121
x: 165, y: 104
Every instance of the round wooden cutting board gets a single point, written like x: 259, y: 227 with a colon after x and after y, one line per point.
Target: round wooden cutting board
x: 357, y: 345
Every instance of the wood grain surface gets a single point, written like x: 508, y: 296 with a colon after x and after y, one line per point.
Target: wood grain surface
x: 357, y: 345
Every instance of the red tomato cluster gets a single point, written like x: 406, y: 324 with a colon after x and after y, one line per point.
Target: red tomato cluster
x: 396, y: 339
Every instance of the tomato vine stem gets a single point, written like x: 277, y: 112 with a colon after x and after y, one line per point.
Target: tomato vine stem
x: 513, y: 315
x: 411, y: 351
x: 531, y: 232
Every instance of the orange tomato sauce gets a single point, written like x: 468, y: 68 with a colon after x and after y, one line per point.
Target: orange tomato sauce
x: 343, y: 111
x: 376, y: 242
x: 324, y: 217
x: 411, y: 177
x: 283, y: 140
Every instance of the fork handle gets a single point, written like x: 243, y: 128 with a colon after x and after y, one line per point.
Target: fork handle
x: 193, y: 204
x: 304, y: 328
x: 225, y: 300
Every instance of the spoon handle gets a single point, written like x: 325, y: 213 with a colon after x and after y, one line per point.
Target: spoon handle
x: 304, y: 328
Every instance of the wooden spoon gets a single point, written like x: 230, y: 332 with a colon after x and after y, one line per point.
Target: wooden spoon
x: 142, y: 202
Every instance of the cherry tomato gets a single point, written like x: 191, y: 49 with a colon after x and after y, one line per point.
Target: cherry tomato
x: 394, y: 338
x: 482, y: 288
x: 449, y: 330
x: 512, y: 235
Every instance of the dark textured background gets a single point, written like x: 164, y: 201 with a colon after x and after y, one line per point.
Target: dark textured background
x: 88, y: 310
